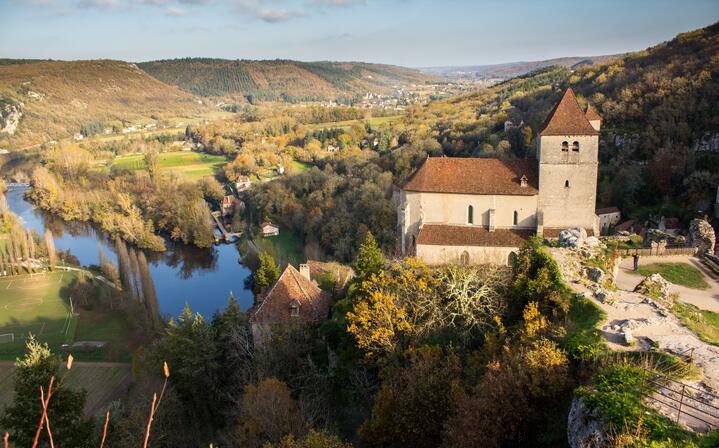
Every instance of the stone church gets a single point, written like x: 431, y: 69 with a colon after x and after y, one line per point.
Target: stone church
x: 479, y: 210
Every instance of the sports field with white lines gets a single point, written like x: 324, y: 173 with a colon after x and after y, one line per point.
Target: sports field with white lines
x: 37, y: 304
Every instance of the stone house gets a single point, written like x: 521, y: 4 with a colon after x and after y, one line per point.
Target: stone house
x: 269, y: 229
x: 229, y: 204
x: 480, y: 210
x: 608, y: 217
x: 294, y: 298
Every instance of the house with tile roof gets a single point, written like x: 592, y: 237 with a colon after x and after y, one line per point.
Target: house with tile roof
x: 480, y: 210
x: 294, y: 298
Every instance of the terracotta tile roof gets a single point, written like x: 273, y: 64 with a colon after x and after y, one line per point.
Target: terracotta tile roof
x: 592, y: 113
x: 474, y: 176
x: 449, y: 235
x: 606, y: 210
x: 554, y: 233
x: 567, y: 118
x: 625, y: 226
x: 314, y: 304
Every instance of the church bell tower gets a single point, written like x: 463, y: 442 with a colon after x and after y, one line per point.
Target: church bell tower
x: 567, y: 150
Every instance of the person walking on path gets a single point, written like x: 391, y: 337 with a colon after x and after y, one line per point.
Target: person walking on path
x: 636, y: 262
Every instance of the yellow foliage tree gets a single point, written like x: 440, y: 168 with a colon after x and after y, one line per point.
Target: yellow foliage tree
x: 377, y: 322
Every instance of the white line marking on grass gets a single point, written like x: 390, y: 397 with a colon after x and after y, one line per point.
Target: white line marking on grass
x: 41, y: 329
x: 8, y: 285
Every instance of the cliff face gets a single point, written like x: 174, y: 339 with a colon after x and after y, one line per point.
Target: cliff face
x: 10, y: 114
x: 584, y: 427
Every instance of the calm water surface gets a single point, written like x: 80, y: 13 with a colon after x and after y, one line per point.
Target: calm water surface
x: 202, y: 278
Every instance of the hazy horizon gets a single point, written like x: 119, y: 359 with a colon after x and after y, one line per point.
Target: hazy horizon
x: 411, y: 33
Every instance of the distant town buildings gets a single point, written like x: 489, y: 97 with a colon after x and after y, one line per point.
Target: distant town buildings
x: 608, y: 217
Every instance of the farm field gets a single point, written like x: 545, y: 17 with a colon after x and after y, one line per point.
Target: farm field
x: 103, y: 381
x: 191, y: 165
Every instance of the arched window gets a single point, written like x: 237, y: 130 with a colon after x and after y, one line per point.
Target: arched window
x: 470, y: 215
x: 575, y: 146
x: 516, y: 217
x: 566, y: 183
x: 565, y: 146
x: 464, y: 258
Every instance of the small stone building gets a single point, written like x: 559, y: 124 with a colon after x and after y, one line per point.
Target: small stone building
x: 480, y: 210
x: 608, y: 217
x: 269, y: 229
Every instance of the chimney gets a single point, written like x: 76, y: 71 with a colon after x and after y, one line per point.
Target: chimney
x: 305, y: 271
x: 491, y: 220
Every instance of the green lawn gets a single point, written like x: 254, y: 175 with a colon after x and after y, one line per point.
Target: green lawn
x: 191, y: 165
x: 678, y: 273
x: 38, y: 305
x: 287, y: 247
x: 702, y: 322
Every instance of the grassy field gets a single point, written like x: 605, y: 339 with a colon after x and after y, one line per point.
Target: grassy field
x: 191, y: 165
x: 287, y: 247
x: 38, y: 305
x: 678, y: 273
x: 702, y: 322
x: 104, y: 382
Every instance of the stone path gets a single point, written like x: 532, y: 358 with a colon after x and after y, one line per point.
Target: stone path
x: 706, y: 299
x: 648, y: 324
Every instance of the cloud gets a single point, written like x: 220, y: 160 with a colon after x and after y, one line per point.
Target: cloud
x: 337, y: 3
x: 174, y: 12
x: 276, y: 15
x: 99, y: 4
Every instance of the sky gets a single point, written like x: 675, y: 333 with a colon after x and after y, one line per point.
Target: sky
x: 413, y: 33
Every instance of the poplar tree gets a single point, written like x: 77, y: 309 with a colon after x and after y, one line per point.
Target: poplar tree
x: 369, y: 258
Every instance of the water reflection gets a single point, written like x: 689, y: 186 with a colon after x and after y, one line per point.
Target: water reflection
x: 165, y: 281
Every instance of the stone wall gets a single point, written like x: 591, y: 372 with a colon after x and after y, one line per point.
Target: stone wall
x: 449, y: 208
x: 568, y: 182
x: 439, y: 255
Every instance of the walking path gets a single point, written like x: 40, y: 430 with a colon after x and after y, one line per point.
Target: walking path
x: 706, y: 299
x: 649, y: 323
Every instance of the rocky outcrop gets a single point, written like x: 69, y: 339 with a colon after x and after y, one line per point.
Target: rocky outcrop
x: 656, y: 237
x: 577, y: 237
x: 653, y: 286
x: 10, y: 114
x: 701, y: 236
x: 584, y: 427
x: 595, y: 274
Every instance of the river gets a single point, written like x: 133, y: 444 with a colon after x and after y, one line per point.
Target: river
x: 202, y: 278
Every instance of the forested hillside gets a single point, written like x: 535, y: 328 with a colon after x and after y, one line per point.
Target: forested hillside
x: 46, y: 100
x: 659, y: 111
x: 280, y: 80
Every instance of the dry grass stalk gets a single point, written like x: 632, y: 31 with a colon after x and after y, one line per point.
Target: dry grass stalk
x: 44, y: 410
x: 104, y: 430
x: 149, y: 420
x: 47, y: 421
x: 6, y: 439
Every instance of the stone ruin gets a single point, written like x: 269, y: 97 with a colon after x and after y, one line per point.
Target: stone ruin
x: 701, y: 236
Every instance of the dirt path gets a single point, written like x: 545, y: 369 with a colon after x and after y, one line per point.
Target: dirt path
x: 706, y: 299
x: 648, y: 323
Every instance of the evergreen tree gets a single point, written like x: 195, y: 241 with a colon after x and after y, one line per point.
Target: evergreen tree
x: 267, y: 274
x: 65, y: 410
x: 369, y: 258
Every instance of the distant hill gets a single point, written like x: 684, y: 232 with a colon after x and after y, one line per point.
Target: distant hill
x: 512, y: 69
x: 45, y: 100
x: 281, y: 80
